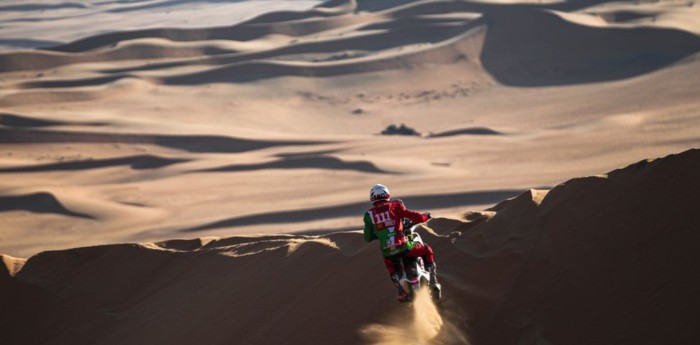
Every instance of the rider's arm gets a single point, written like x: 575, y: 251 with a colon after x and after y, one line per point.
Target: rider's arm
x: 369, y: 228
x: 416, y: 217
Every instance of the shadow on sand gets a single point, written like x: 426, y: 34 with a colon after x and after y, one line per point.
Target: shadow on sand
x: 418, y: 202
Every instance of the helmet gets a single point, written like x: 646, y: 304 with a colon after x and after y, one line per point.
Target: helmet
x: 379, y: 192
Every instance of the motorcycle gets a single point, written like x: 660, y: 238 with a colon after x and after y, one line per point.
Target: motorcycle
x: 415, y: 275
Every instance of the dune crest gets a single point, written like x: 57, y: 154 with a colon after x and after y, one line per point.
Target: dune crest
x: 12, y: 265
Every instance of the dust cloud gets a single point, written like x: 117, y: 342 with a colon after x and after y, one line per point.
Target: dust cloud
x: 419, y: 323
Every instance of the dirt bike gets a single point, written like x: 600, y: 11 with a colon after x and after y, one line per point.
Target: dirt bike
x: 415, y: 275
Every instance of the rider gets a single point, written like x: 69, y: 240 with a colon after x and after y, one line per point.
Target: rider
x: 384, y: 221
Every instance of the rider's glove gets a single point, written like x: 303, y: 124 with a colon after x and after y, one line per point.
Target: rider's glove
x: 427, y: 214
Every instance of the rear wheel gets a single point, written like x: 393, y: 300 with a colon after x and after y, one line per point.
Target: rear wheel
x: 412, y: 291
x: 436, y: 292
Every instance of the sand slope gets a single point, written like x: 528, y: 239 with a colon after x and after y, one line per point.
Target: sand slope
x: 600, y: 257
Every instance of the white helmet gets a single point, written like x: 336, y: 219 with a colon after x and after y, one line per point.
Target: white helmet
x: 379, y: 192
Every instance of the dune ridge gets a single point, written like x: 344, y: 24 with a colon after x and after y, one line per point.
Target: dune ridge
x: 509, y: 274
x: 10, y: 266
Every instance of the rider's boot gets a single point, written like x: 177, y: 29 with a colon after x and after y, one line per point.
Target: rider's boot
x: 434, y: 285
x: 402, y: 294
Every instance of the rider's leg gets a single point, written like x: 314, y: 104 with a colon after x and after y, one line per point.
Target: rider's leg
x: 393, y: 265
x: 424, y: 251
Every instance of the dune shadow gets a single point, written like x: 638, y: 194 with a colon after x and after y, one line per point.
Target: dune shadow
x: 27, y: 42
x: 42, y: 7
x: 417, y: 202
x: 531, y: 47
x: 138, y: 162
x: 82, y: 82
x: 377, y: 6
x: 626, y: 16
x: 189, y: 143
x: 162, y: 4
x: 12, y: 120
x: 306, y: 154
x: 37, y: 203
x: 303, y: 162
x: 466, y: 131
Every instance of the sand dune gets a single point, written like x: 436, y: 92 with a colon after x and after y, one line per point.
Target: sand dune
x: 544, y: 48
x: 323, y: 57
x: 255, y: 28
x: 509, y: 276
x: 38, y: 203
x: 136, y: 50
x: 548, y: 49
x: 54, y: 22
x: 562, y: 255
x: 370, y: 38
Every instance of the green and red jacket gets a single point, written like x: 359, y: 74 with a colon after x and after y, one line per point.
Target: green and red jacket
x: 384, y: 222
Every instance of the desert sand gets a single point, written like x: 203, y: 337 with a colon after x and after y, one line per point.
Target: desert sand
x: 170, y: 173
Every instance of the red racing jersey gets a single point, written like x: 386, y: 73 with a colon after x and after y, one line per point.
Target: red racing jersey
x: 384, y: 222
